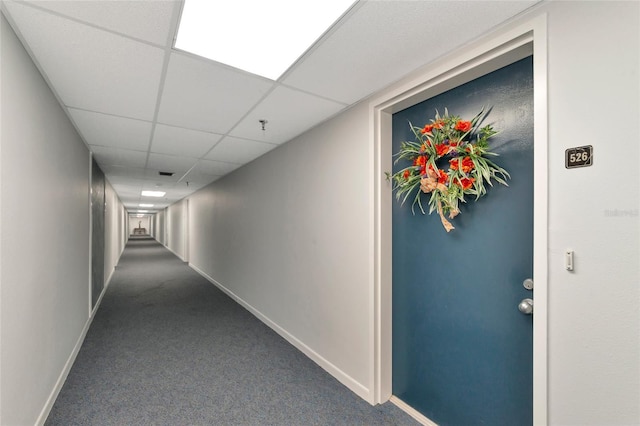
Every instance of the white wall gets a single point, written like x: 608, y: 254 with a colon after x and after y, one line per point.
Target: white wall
x: 45, y: 237
x: 594, y: 319
x: 44, y: 250
x: 158, y: 226
x: 288, y: 235
x: 144, y: 222
x: 114, y: 237
x: 176, y: 220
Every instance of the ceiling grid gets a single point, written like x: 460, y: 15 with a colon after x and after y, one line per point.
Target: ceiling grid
x: 143, y: 107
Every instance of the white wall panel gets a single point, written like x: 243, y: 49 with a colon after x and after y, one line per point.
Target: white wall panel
x: 175, y: 216
x: 45, y: 237
x: 113, y: 236
x: 594, y: 320
x: 159, y: 226
x: 289, y: 235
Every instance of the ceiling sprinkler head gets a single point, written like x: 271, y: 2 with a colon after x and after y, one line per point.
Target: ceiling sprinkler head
x: 263, y: 123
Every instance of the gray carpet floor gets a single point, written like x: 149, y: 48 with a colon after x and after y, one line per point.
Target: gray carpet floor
x: 168, y: 348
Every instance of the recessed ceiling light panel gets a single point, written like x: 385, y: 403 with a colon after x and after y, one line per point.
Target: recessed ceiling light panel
x: 145, y: 205
x: 258, y: 36
x: 153, y: 193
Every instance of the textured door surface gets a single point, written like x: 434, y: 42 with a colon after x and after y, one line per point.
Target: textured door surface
x: 97, y: 232
x: 462, y: 352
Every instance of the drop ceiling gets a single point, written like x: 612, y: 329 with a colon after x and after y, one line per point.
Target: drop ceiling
x: 143, y: 107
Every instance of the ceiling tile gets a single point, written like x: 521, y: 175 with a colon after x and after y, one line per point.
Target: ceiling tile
x: 214, y: 168
x: 385, y: 40
x: 159, y: 202
x: 239, y: 151
x: 195, y: 181
x: 203, y: 95
x: 124, y: 173
x: 111, y: 131
x: 183, y: 142
x: 198, y: 180
x: 133, y: 204
x: 288, y: 113
x: 118, y: 157
x: 174, y: 191
x: 92, y: 69
x: 148, y: 20
x: 127, y: 190
x: 170, y: 163
x: 153, y: 184
x: 125, y: 184
x: 105, y: 58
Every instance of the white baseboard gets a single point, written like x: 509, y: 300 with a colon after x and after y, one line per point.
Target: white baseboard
x: 104, y: 290
x: 72, y: 358
x: 359, y: 389
x: 412, y: 411
x: 65, y: 371
x: 174, y: 253
x: 107, y: 282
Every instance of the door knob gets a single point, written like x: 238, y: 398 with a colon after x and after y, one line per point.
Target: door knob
x: 526, y: 306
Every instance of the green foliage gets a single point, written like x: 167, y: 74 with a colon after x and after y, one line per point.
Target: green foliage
x: 466, y: 147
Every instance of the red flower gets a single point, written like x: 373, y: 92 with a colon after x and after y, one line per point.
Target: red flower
x: 443, y: 177
x: 438, y: 124
x: 427, y: 129
x: 467, y: 164
x: 463, y: 126
x: 420, y: 161
x: 442, y: 149
x: 466, y: 183
x: 406, y: 174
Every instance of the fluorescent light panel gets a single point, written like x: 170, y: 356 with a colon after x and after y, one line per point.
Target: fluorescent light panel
x: 153, y: 193
x: 258, y: 36
x: 145, y: 205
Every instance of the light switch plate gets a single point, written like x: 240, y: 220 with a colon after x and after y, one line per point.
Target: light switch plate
x: 568, y: 260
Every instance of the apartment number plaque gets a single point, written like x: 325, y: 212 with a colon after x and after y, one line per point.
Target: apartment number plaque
x: 581, y: 156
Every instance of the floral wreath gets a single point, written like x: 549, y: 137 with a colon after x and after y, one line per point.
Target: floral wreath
x: 465, y: 145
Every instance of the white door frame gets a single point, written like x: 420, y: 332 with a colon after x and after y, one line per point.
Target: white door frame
x: 185, y: 231
x: 508, y: 45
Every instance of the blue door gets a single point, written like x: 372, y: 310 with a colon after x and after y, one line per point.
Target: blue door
x: 462, y: 351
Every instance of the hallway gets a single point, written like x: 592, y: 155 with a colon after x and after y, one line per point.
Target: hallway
x: 167, y: 347
x: 294, y: 224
